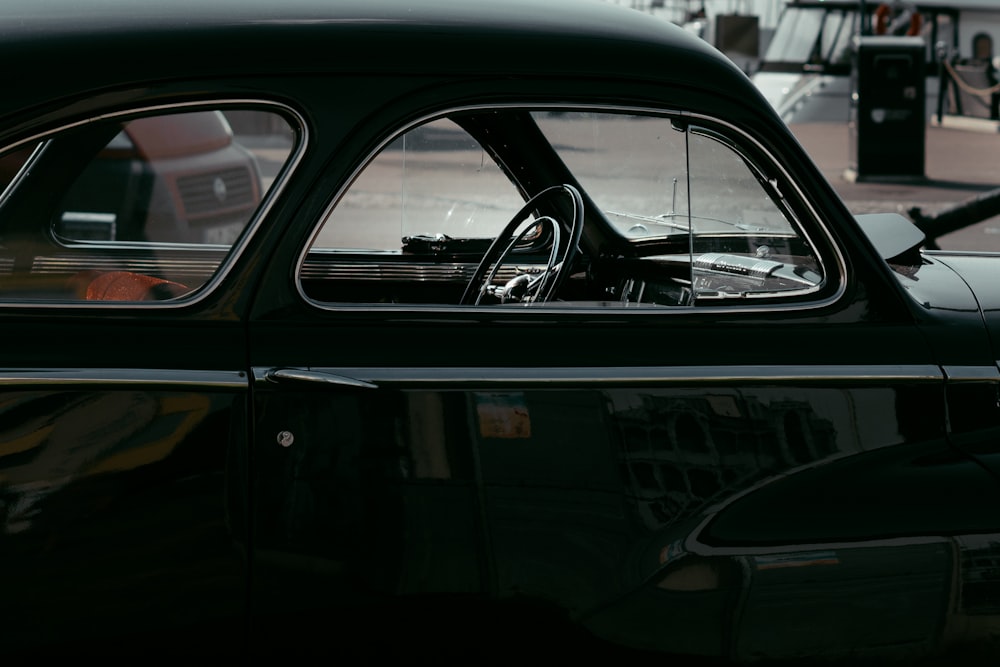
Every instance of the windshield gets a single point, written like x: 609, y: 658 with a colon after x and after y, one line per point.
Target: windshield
x: 795, y: 36
x: 811, y: 36
x: 819, y: 37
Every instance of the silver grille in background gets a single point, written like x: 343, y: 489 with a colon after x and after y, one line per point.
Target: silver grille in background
x: 209, y: 192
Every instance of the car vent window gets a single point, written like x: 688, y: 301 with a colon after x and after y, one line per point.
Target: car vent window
x: 143, y: 208
x: 748, y: 243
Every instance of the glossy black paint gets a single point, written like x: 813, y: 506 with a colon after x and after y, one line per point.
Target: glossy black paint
x: 725, y: 485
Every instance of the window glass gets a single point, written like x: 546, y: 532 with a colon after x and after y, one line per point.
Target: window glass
x: 134, y: 209
x: 795, y: 37
x: 839, y: 29
x: 726, y: 194
x: 671, y: 215
x: 634, y: 167
x: 653, y: 178
x: 432, y: 182
x: 746, y: 243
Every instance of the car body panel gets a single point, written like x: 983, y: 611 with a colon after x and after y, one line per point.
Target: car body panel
x: 974, y: 409
x: 136, y: 467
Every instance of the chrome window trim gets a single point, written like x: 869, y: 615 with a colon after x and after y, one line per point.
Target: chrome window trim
x: 535, y: 377
x: 234, y: 251
x: 837, y: 272
x: 124, y: 377
x: 693, y: 546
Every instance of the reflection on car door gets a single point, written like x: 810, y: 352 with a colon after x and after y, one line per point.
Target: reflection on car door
x: 684, y: 480
x: 135, y: 460
x: 661, y: 506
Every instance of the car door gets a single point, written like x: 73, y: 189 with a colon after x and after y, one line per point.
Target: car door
x: 646, y: 463
x: 123, y: 389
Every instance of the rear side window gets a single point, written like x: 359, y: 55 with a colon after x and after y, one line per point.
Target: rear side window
x: 143, y: 208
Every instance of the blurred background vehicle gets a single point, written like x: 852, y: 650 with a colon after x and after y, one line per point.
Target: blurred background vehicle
x: 175, y: 178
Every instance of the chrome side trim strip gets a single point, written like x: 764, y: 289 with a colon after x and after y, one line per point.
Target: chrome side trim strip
x: 692, y: 545
x: 972, y: 373
x: 484, y: 376
x: 10, y: 377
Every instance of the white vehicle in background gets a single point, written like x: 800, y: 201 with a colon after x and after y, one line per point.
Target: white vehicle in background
x: 806, y: 70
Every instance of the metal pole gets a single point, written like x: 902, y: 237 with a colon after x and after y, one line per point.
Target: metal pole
x: 974, y: 210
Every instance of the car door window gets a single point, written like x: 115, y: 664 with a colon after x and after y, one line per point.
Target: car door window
x: 142, y: 208
x: 675, y: 214
x: 432, y: 182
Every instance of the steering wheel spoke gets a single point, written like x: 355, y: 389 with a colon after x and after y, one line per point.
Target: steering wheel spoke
x: 530, y: 287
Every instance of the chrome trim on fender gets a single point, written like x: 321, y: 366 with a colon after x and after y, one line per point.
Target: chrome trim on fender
x: 125, y: 377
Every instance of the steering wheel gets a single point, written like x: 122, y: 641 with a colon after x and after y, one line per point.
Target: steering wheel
x: 533, y: 287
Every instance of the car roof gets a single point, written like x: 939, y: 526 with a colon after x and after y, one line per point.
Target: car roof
x: 80, y: 47
x: 592, y: 18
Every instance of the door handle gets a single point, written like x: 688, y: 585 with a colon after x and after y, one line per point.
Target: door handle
x: 304, y: 375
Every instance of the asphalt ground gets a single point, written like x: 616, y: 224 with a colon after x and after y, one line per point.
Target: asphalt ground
x: 961, y: 174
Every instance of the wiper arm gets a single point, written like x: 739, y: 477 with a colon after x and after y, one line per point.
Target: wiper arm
x: 661, y: 221
x: 653, y: 219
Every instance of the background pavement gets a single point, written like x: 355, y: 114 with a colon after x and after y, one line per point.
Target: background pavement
x: 961, y: 163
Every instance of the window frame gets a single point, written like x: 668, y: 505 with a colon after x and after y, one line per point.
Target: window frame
x: 197, y: 257
x: 809, y: 223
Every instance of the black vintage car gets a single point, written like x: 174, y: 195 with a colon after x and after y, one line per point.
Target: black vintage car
x: 545, y: 341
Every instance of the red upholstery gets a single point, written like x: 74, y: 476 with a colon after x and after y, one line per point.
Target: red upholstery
x: 125, y: 286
